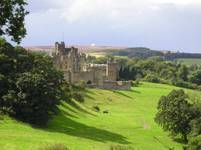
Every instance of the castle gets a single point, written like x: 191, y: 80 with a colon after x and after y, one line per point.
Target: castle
x: 76, y: 69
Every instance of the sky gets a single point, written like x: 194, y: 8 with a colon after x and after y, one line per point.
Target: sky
x: 157, y: 24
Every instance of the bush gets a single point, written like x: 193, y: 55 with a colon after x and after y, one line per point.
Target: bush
x: 152, y: 78
x: 78, y: 96
x: 119, y: 147
x: 1, y: 117
x: 194, y: 143
x: 135, y: 83
x: 196, y: 77
x: 196, y: 121
x: 181, y: 83
x: 55, y: 147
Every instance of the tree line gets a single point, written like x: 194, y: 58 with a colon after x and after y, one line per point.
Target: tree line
x: 157, y: 70
x: 180, y: 115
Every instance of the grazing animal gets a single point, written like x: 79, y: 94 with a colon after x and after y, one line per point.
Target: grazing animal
x: 106, y: 111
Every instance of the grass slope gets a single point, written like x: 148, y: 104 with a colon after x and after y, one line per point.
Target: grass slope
x: 189, y: 61
x: 129, y: 122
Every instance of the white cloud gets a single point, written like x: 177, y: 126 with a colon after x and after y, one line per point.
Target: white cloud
x: 169, y: 24
x: 77, y: 10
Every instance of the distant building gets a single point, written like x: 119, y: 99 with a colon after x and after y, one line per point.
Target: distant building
x: 75, y: 69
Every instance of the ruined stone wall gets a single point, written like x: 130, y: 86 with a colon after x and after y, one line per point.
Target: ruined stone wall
x: 75, y: 69
x: 99, y: 75
x: 85, y: 76
x: 111, y: 71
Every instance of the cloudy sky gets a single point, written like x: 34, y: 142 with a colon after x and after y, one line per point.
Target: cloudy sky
x: 157, y: 24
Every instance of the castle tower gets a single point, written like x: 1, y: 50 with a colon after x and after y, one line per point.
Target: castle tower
x: 59, y: 48
x: 56, y: 48
x: 112, y: 71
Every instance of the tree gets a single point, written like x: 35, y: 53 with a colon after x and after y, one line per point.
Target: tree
x: 30, y: 86
x: 196, y: 77
x: 196, y: 121
x: 194, y: 143
x: 183, y: 73
x: 12, y: 16
x: 174, y: 113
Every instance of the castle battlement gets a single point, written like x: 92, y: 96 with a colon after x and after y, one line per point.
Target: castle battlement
x: 75, y: 68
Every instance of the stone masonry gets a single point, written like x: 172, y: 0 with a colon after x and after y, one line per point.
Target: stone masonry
x: 75, y: 69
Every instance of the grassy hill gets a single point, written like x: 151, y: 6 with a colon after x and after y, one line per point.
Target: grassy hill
x: 189, y: 61
x: 130, y: 121
x: 143, y: 53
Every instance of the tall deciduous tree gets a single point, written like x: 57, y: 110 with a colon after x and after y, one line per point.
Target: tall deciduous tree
x: 30, y: 86
x: 12, y: 16
x: 174, y: 113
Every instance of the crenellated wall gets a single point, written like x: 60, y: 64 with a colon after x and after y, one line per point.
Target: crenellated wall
x: 75, y: 69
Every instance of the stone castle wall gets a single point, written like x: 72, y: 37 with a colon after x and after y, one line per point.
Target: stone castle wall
x: 75, y: 69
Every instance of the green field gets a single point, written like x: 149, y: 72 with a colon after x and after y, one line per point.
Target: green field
x: 189, y: 61
x: 129, y: 122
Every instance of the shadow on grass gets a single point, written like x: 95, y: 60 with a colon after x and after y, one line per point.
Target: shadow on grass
x: 123, y: 94
x: 89, y: 97
x: 64, y: 124
x: 136, y: 91
x: 163, y: 143
x: 77, y: 106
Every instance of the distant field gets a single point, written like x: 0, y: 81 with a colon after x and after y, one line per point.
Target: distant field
x: 97, y: 54
x: 189, y: 61
x: 130, y: 122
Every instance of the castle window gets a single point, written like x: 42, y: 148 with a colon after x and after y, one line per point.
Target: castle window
x: 89, y: 82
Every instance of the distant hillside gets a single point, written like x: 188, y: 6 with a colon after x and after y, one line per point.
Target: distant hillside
x: 143, y: 52
x: 135, y: 52
x: 82, y: 48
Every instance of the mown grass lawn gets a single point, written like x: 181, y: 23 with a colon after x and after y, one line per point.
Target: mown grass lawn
x: 130, y: 121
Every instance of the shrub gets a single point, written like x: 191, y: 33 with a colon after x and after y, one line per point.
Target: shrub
x: 135, y: 83
x: 196, y: 121
x: 194, y: 143
x: 184, y: 84
x: 55, y: 147
x: 196, y: 77
x: 119, y: 147
x: 78, y: 96
x: 152, y: 78
x: 1, y: 116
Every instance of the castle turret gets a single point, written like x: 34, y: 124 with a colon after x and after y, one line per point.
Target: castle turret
x: 112, y: 71
x: 59, y: 48
x: 56, y: 48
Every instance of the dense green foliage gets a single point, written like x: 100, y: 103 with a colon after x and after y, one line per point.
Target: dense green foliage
x: 194, y: 143
x: 156, y: 70
x: 196, y: 77
x: 143, y: 53
x: 12, y: 15
x: 174, y: 113
x: 31, y: 88
x: 180, y: 117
